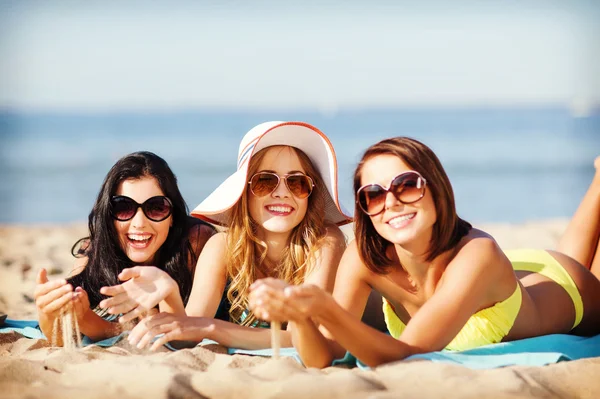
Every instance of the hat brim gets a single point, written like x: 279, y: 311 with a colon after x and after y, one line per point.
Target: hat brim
x: 216, y: 207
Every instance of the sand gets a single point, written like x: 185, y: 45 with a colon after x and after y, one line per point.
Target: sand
x: 32, y: 368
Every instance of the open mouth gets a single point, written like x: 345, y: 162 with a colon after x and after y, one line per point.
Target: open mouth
x: 279, y: 210
x: 139, y: 240
x: 401, y: 221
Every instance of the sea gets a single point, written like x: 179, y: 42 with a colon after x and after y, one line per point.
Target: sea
x: 507, y: 165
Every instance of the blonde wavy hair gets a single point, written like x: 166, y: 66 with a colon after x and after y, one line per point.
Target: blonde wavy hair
x: 247, y: 252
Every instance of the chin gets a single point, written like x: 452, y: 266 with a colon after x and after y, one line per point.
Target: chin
x: 278, y: 228
x: 138, y: 258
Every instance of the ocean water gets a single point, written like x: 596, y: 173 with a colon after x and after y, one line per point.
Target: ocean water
x: 506, y: 165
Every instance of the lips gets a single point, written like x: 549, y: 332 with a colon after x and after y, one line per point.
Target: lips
x: 400, y: 221
x: 279, y: 209
x: 139, y: 240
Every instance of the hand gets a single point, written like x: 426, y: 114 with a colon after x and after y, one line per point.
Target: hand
x: 173, y: 327
x: 274, y: 300
x: 81, y: 304
x: 143, y: 289
x: 51, y: 296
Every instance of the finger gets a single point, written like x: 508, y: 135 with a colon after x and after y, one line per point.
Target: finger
x: 57, y: 304
x: 42, y: 276
x: 48, y: 286
x: 78, y: 305
x: 137, y: 333
x: 153, y: 332
x: 168, y: 337
x: 125, y: 307
x: 129, y: 273
x: 129, y: 316
x: 44, y: 300
x: 82, y: 292
x: 114, y: 301
x: 112, y: 290
x: 143, y: 326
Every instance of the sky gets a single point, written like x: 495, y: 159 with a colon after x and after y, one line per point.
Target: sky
x: 326, y: 55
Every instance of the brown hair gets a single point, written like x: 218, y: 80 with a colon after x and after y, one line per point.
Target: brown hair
x: 246, y: 252
x: 448, y: 228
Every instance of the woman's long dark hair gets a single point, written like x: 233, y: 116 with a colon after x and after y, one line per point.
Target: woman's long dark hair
x: 106, y: 258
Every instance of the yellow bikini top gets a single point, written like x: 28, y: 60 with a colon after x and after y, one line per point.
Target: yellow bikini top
x: 488, y: 326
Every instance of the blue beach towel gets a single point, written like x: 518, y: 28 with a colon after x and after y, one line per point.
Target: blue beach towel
x: 31, y: 329
x: 538, y: 351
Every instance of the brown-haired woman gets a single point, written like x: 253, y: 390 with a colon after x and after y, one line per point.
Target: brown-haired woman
x: 444, y: 283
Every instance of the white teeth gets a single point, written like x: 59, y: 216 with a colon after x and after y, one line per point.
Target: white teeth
x: 398, y: 220
x: 138, y: 237
x: 281, y: 209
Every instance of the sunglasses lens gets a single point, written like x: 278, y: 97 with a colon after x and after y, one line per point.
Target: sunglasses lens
x: 157, y: 208
x: 123, y: 208
x: 263, y: 184
x: 299, y: 185
x: 372, y: 199
x: 408, y: 188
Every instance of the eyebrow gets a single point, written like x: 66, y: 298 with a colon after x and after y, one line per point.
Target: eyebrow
x: 291, y: 172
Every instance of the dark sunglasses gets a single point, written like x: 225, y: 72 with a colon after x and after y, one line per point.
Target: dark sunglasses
x: 156, y: 208
x: 264, y: 183
x: 407, y: 187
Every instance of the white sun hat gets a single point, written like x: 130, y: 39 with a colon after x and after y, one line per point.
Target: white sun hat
x: 310, y: 140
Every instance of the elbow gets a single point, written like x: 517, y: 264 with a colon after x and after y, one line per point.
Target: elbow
x: 320, y: 363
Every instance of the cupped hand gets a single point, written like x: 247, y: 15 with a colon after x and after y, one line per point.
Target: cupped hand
x: 173, y: 327
x: 51, y: 296
x: 144, y: 287
x: 274, y: 300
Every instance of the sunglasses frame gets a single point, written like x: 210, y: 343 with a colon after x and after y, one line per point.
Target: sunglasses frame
x: 279, y: 178
x: 138, y: 206
x: 387, y: 190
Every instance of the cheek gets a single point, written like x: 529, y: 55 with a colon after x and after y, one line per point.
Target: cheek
x: 163, y: 229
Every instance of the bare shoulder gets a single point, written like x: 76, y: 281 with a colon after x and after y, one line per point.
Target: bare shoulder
x: 200, y: 233
x: 217, y: 242
x: 479, y: 250
x: 334, y: 236
x: 352, y: 262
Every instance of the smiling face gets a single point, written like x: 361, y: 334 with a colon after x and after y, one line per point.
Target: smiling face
x: 278, y: 212
x: 398, y: 223
x: 140, y: 237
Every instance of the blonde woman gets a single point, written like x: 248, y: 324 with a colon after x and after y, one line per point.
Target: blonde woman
x: 281, y: 211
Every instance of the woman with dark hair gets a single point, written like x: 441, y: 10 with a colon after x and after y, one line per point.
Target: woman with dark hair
x: 444, y: 283
x: 139, y: 226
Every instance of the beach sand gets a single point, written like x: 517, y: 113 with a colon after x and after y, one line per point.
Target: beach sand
x: 32, y: 368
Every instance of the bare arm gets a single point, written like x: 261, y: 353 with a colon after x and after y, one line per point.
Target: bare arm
x: 316, y: 346
x: 209, y: 284
x: 470, y: 280
x: 210, y: 278
x: 198, y: 237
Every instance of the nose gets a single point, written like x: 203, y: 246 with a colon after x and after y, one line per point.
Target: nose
x: 391, y: 200
x: 139, y: 219
x: 281, y: 191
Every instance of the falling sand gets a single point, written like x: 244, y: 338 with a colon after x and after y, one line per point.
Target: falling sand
x: 68, y: 326
x: 275, y: 338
